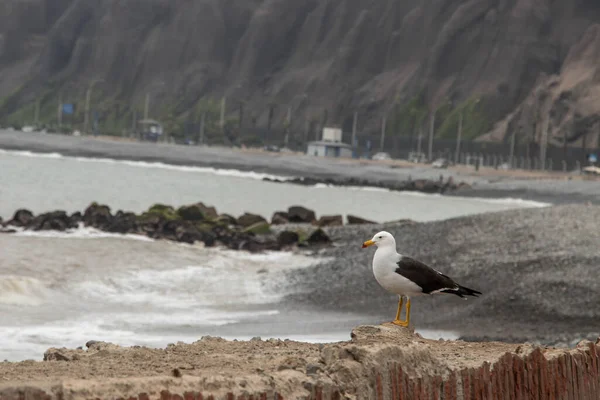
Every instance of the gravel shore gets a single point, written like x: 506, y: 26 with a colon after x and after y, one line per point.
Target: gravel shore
x: 537, y: 269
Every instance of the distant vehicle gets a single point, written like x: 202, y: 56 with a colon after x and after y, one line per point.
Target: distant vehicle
x: 381, y: 156
x: 591, y: 170
x: 149, y: 130
x: 272, y: 148
x: 416, y: 157
x: 440, y: 163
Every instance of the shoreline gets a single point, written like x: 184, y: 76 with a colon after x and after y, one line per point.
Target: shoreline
x: 553, y: 188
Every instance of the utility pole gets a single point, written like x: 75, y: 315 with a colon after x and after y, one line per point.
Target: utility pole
x: 382, y: 139
x: 458, y: 137
x: 288, y: 124
x: 354, y: 127
x: 419, y: 140
x: 222, y: 119
x: 86, y: 117
x: 431, y: 129
x: 134, y: 122
x: 146, y: 105
x: 60, y: 110
x: 202, y: 122
x: 37, y: 112
x: 306, y: 128
x: 512, y: 148
x: 544, y: 141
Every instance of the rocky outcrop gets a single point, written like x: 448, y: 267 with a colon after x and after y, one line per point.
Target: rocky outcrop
x: 55, y: 221
x: 330, y: 220
x: 354, y: 220
x: 299, y: 214
x: 248, y: 219
x: 280, y: 218
x: 563, y: 107
x: 188, y: 224
x: 417, y: 185
x: 21, y: 218
x: 197, y: 212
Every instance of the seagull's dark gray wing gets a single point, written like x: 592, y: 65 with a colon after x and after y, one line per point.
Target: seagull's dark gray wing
x: 429, y: 279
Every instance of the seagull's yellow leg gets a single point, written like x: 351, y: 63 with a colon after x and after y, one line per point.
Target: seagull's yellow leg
x: 397, y: 321
x: 407, y: 311
x: 400, y: 302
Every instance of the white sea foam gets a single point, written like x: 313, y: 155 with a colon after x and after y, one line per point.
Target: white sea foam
x: 78, y: 233
x: 505, y: 200
x: 22, y: 290
x: 156, y: 165
x: 25, y: 153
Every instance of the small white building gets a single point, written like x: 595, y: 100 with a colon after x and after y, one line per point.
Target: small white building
x: 330, y: 146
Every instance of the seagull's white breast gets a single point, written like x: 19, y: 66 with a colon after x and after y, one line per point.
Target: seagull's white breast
x: 384, y: 269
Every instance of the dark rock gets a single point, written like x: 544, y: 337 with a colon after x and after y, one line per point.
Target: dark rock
x: 166, y: 212
x: 76, y: 218
x: 287, y: 238
x: 259, y: 228
x: 149, y: 224
x: 168, y: 229
x: 318, y: 237
x: 56, y: 355
x: 330, y: 220
x: 197, y: 212
x: 249, y: 219
x: 51, y: 221
x: 123, y: 222
x: 280, y: 218
x: 401, y: 222
x: 301, y: 214
x: 97, y: 216
x: 354, y: 220
x: 225, y: 219
x: 427, y: 186
x: 21, y: 218
x: 189, y: 233
x: 257, y: 245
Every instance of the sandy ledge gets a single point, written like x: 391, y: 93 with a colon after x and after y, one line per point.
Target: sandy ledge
x: 293, y: 370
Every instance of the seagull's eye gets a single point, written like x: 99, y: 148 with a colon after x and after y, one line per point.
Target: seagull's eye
x: 380, y: 237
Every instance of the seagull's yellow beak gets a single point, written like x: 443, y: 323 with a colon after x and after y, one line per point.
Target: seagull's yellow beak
x: 368, y: 243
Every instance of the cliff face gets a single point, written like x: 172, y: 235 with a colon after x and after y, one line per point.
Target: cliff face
x: 332, y: 55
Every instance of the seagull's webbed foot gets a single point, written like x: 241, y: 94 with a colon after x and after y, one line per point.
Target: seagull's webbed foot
x: 400, y: 323
x: 397, y: 320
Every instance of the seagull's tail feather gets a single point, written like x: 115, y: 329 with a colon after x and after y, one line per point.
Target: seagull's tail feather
x: 462, y: 291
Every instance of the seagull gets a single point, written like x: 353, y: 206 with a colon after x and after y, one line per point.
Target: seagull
x: 408, y: 277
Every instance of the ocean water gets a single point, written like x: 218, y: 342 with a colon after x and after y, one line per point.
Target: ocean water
x: 65, y: 288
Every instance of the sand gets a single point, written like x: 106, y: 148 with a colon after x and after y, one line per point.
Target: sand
x: 215, y: 366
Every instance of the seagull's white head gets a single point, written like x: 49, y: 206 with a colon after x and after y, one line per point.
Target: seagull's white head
x: 381, y: 239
